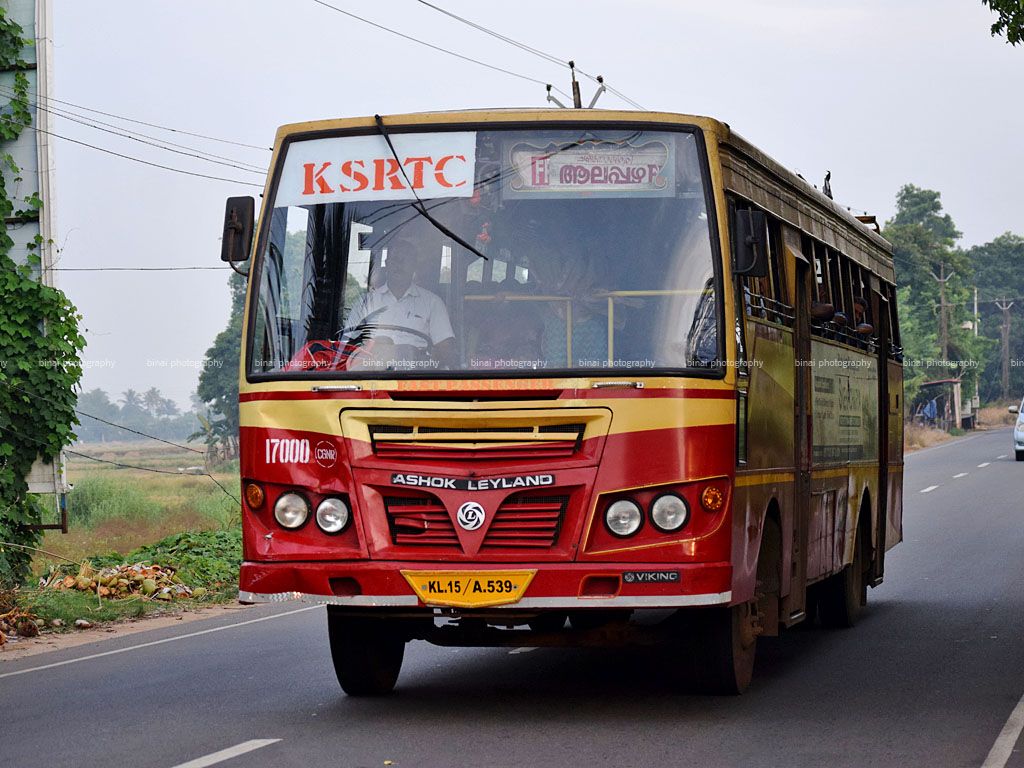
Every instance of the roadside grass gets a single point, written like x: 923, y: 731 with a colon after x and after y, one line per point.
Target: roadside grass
x: 918, y: 436
x: 997, y: 415
x: 121, y: 515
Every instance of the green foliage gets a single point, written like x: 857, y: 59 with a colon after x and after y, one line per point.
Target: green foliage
x: 1010, y: 21
x: 40, y: 350
x: 997, y: 265
x: 218, y: 382
x: 201, y: 558
x: 924, y: 240
x: 97, y: 499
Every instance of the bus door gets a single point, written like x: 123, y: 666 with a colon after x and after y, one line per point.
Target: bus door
x: 794, y: 605
x: 880, y: 316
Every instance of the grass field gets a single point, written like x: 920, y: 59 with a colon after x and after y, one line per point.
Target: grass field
x: 115, y: 509
x: 118, y: 513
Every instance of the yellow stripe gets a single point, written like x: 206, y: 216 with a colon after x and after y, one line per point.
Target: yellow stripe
x: 764, y: 478
x: 626, y: 414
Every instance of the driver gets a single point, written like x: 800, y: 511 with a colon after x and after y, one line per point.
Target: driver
x: 403, y: 313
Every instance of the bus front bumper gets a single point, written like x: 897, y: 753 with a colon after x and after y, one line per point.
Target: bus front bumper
x: 570, y: 586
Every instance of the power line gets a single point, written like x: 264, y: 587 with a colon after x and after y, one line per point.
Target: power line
x: 123, y: 465
x: 140, y: 160
x: 438, y: 48
x: 94, y: 123
x: 37, y: 396
x: 150, y: 125
x: 529, y: 49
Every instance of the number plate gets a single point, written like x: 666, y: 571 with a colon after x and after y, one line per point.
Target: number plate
x: 469, y: 589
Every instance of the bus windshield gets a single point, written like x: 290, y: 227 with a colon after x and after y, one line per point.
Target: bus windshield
x: 591, y: 251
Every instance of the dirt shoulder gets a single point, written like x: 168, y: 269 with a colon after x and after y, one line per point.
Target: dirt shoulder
x: 22, y: 647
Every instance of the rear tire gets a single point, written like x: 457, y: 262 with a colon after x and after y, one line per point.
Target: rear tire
x: 844, y: 594
x: 367, y: 654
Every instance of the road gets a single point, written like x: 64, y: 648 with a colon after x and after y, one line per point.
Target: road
x: 928, y: 678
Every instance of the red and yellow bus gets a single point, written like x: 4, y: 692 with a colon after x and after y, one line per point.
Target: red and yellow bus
x: 560, y: 377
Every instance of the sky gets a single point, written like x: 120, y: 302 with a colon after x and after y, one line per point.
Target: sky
x: 882, y: 93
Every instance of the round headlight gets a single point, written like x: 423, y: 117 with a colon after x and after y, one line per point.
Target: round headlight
x: 669, y: 513
x: 291, y: 510
x: 624, y: 517
x: 332, y: 515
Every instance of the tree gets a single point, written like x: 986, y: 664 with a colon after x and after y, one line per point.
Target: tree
x: 997, y: 266
x: 153, y: 400
x: 218, y: 382
x: 1010, y: 21
x: 933, y: 313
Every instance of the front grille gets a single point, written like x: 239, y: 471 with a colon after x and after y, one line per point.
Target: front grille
x: 419, y: 521
x: 545, y: 441
x: 526, y: 521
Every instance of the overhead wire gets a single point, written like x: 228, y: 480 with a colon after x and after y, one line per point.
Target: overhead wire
x: 140, y: 160
x: 183, y: 132
x: 439, y: 48
x: 529, y: 49
x: 147, y: 139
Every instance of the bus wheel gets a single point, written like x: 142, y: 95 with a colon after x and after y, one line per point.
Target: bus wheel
x: 367, y: 654
x: 843, y: 595
x: 724, y: 646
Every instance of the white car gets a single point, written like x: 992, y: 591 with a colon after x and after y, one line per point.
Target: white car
x: 1018, y: 431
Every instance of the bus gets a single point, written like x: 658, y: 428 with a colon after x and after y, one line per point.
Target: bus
x: 566, y: 377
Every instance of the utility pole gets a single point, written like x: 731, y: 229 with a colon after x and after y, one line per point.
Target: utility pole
x: 1004, y: 307
x: 976, y: 319
x: 942, y: 278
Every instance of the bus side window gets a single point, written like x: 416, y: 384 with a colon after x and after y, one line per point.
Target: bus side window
x: 766, y: 297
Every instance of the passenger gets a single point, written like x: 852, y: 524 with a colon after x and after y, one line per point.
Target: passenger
x: 399, y: 323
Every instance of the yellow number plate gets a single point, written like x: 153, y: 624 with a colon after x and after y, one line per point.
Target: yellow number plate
x: 469, y: 589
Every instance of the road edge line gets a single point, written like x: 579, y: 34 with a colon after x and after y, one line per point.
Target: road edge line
x: 155, y: 642
x: 1007, y: 738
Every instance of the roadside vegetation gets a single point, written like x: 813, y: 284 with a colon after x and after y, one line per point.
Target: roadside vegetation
x: 182, y: 524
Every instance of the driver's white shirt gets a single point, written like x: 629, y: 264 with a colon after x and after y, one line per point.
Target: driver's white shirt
x: 418, y: 309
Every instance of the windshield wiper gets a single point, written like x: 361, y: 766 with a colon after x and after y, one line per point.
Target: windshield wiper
x: 418, y: 206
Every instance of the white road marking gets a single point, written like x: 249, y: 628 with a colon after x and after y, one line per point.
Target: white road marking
x: 156, y: 642
x: 962, y: 474
x: 521, y: 650
x: 227, y: 754
x: 983, y: 464
x: 1007, y: 738
x: 929, y: 489
x: 1001, y: 457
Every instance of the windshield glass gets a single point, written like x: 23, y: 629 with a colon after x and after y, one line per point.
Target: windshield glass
x: 591, y: 249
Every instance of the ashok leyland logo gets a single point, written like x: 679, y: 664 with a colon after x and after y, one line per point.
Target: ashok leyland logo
x: 471, y: 516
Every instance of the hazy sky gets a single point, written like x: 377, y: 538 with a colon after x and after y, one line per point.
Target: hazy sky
x: 881, y: 93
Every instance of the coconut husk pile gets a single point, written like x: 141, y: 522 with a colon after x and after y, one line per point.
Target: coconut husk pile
x: 18, y: 621
x: 148, y: 581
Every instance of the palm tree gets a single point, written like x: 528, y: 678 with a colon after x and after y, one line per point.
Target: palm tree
x: 130, y: 399
x: 153, y: 400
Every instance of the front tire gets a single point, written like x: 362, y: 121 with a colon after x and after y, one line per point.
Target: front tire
x: 723, y: 647
x: 367, y: 654
x: 1019, y: 455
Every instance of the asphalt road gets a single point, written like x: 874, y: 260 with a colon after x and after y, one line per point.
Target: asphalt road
x: 929, y: 677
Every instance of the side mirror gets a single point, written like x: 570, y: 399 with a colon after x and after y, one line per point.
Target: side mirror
x: 750, y: 258
x: 236, y: 240
x: 1012, y: 409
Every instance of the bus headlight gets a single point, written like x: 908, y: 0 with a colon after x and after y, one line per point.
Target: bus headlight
x: 332, y: 515
x: 623, y: 517
x: 291, y: 510
x: 669, y: 513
